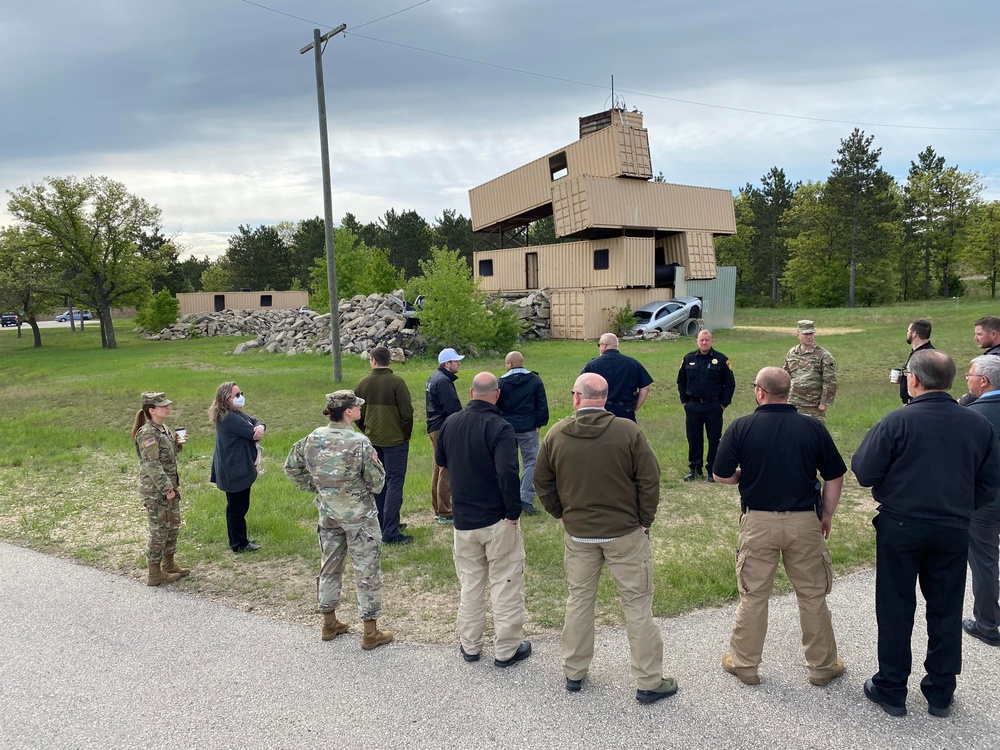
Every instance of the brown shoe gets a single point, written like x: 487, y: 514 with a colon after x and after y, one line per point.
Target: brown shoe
x: 169, y: 566
x: 838, y: 671
x: 373, y: 637
x: 156, y: 575
x: 332, y: 627
x: 727, y: 664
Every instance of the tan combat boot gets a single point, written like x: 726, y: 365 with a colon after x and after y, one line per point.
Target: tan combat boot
x: 332, y: 627
x: 373, y: 637
x: 156, y: 575
x: 169, y: 566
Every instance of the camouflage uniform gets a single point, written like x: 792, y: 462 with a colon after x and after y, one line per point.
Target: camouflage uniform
x: 814, y: 379
x: 157, y: 448
x: 340, y: 466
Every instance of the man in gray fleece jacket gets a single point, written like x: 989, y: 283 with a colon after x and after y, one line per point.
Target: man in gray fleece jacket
x: 597, y: 474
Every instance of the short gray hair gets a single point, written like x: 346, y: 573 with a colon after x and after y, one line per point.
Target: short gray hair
x: 988, y: 366
x: 933, y: 369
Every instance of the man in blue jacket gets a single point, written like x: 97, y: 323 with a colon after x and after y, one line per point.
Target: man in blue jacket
x: 930, y: 464
x: 477, y: 447
x: 523, y: 404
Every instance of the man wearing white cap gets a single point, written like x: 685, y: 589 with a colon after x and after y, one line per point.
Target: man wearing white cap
x: 442, y: 401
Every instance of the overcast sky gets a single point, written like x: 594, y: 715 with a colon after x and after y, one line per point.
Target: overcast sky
x: 206, y: 107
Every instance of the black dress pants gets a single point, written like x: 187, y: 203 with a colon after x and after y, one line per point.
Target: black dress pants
x: 908, y: 552
x: 698, y: 416
x: 237, y: 505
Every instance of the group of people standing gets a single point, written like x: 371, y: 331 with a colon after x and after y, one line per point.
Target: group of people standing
x: 933, y: 466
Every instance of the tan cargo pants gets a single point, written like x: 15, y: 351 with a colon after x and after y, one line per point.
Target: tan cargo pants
x: 798, y: 539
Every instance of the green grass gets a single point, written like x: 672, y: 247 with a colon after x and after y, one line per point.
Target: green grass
x: 67, y: 466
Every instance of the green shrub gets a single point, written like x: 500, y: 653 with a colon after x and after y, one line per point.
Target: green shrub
x: 160, y: 311
x: 621, y: 319
x: 455, y: 312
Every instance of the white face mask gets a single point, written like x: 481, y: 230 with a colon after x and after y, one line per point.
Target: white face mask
x: 239, y: 401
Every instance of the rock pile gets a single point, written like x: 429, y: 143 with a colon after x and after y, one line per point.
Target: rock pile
x: 534, y: 309
x: 365, y: 322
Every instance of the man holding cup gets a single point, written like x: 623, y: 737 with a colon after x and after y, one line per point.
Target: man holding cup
x: 918, y: 336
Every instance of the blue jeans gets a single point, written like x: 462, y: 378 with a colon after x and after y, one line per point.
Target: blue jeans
x: 390, y: 499
x: 527, y: 443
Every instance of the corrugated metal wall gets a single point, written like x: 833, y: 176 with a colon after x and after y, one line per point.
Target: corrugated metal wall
x: 613, y: 152
x: 567, y: 314
x: 583, y: 314
x: 719, y: 295
x: 587, y: 202
x: 571, y: 264
x: 196, y: 302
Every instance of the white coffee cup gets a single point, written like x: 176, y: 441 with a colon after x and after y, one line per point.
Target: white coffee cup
x: 182, y: 434
x: 895, y: 374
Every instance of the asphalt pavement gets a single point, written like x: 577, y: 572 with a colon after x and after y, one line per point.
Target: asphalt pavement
x: 89, y: 659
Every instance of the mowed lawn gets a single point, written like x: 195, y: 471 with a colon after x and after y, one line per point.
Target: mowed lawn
x: 68, y: 469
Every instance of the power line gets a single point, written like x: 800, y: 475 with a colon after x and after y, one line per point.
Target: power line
x: 689, y: 102
x: 670, y: 98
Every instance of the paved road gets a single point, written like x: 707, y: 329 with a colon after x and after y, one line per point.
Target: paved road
x: 92, y: 660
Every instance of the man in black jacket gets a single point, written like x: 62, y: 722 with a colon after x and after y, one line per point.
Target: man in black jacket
x: 523, y: 404
x: 984, y: 527
x: 918, y: 336
x: 477, y: 447
x: 987, y: 337
x: 706, y: 385
x: 930, y: 464
x: 442, y: 401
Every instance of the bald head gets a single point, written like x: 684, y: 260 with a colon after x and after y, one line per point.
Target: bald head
x: 590, y: 390
x: 514, y: 360
x: 607, y: 341
x: 775, y: 384
x: 485, y: 387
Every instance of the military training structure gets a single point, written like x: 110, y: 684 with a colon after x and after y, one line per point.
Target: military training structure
x: 633, y: 239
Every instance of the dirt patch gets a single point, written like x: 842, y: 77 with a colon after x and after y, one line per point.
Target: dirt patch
x: 792, y: 331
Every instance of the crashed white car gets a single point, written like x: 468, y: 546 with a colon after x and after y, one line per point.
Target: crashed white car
x: 681, y: 313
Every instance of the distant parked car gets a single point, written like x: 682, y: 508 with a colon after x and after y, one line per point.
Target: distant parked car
x: 77, y: 315
x: 681, y: 313
x: 9, y: 319
x: 305, y: 309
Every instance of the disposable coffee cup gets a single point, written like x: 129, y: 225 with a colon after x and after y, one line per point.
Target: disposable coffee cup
x: 182, y: 433
x: 895, y: 374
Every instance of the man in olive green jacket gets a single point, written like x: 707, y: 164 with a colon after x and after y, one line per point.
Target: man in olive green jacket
x: 598, y: 475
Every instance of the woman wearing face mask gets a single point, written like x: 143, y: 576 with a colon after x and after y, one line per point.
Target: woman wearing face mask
x: 234, y: 464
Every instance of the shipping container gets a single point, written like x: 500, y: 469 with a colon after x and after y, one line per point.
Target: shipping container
x: 199, y: 302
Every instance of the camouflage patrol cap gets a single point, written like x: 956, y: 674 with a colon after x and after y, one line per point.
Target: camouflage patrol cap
x: 340, y: 399
x: 807, y: 326
x: 155, y: 398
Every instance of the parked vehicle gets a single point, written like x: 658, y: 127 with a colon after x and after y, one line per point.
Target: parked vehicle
x: 9, y: 319
x: 63, y: 317
x: 681, y: 313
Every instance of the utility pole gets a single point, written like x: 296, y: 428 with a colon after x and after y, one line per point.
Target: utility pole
x: 331, y: 260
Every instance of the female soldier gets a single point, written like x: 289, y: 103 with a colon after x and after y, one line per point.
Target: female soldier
x: 158, y: 446
x: 234, y: 463
x: 341, y: 467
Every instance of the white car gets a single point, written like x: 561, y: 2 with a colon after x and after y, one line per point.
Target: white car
x: 681, y: 313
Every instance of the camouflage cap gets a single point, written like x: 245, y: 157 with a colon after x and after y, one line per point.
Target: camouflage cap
x: 340, y: 399
x: 807, y: 326
x: 155, y: 398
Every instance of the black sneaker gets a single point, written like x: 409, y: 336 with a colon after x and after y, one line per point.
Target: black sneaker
x: 522, y: 653
x: 401, y: 539
x: 668, y: 686
x: 248, y: 547
x: 467, y: 656
x: 873, y: 694
x: 531, y: 510
x: 574, y: 686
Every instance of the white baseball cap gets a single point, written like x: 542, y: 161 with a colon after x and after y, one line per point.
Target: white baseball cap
x: 449, y: 355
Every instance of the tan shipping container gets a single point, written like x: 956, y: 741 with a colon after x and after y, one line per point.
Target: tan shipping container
x: 589, y: 202
x: 199, y: 302
x: 571, y: 264
x: 519, y: 195
x: 584, y: 314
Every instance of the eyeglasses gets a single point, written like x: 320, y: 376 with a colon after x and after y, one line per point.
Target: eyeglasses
x: 973, y: 375
x: 238, y: 394
x: 757, y: 386
x: 575, y: 393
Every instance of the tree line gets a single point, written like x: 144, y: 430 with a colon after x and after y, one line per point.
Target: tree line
x: 860, y: 237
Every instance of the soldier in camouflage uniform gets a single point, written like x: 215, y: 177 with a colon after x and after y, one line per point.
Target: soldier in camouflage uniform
x: 341, y: 467
x: 813, y: 373
x: 159, y: 486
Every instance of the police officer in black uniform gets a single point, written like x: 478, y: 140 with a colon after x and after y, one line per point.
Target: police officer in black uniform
x: 628, y: 381
x: 706, y: 385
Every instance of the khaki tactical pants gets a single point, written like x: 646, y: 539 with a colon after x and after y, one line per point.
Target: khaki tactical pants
x: 494, y: 553
x: 440, y: 481
x: 630, y: 563
x: 798, y: 539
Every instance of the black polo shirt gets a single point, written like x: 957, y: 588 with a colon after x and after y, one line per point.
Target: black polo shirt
x: 779, y: 452
x: 625, y: 377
